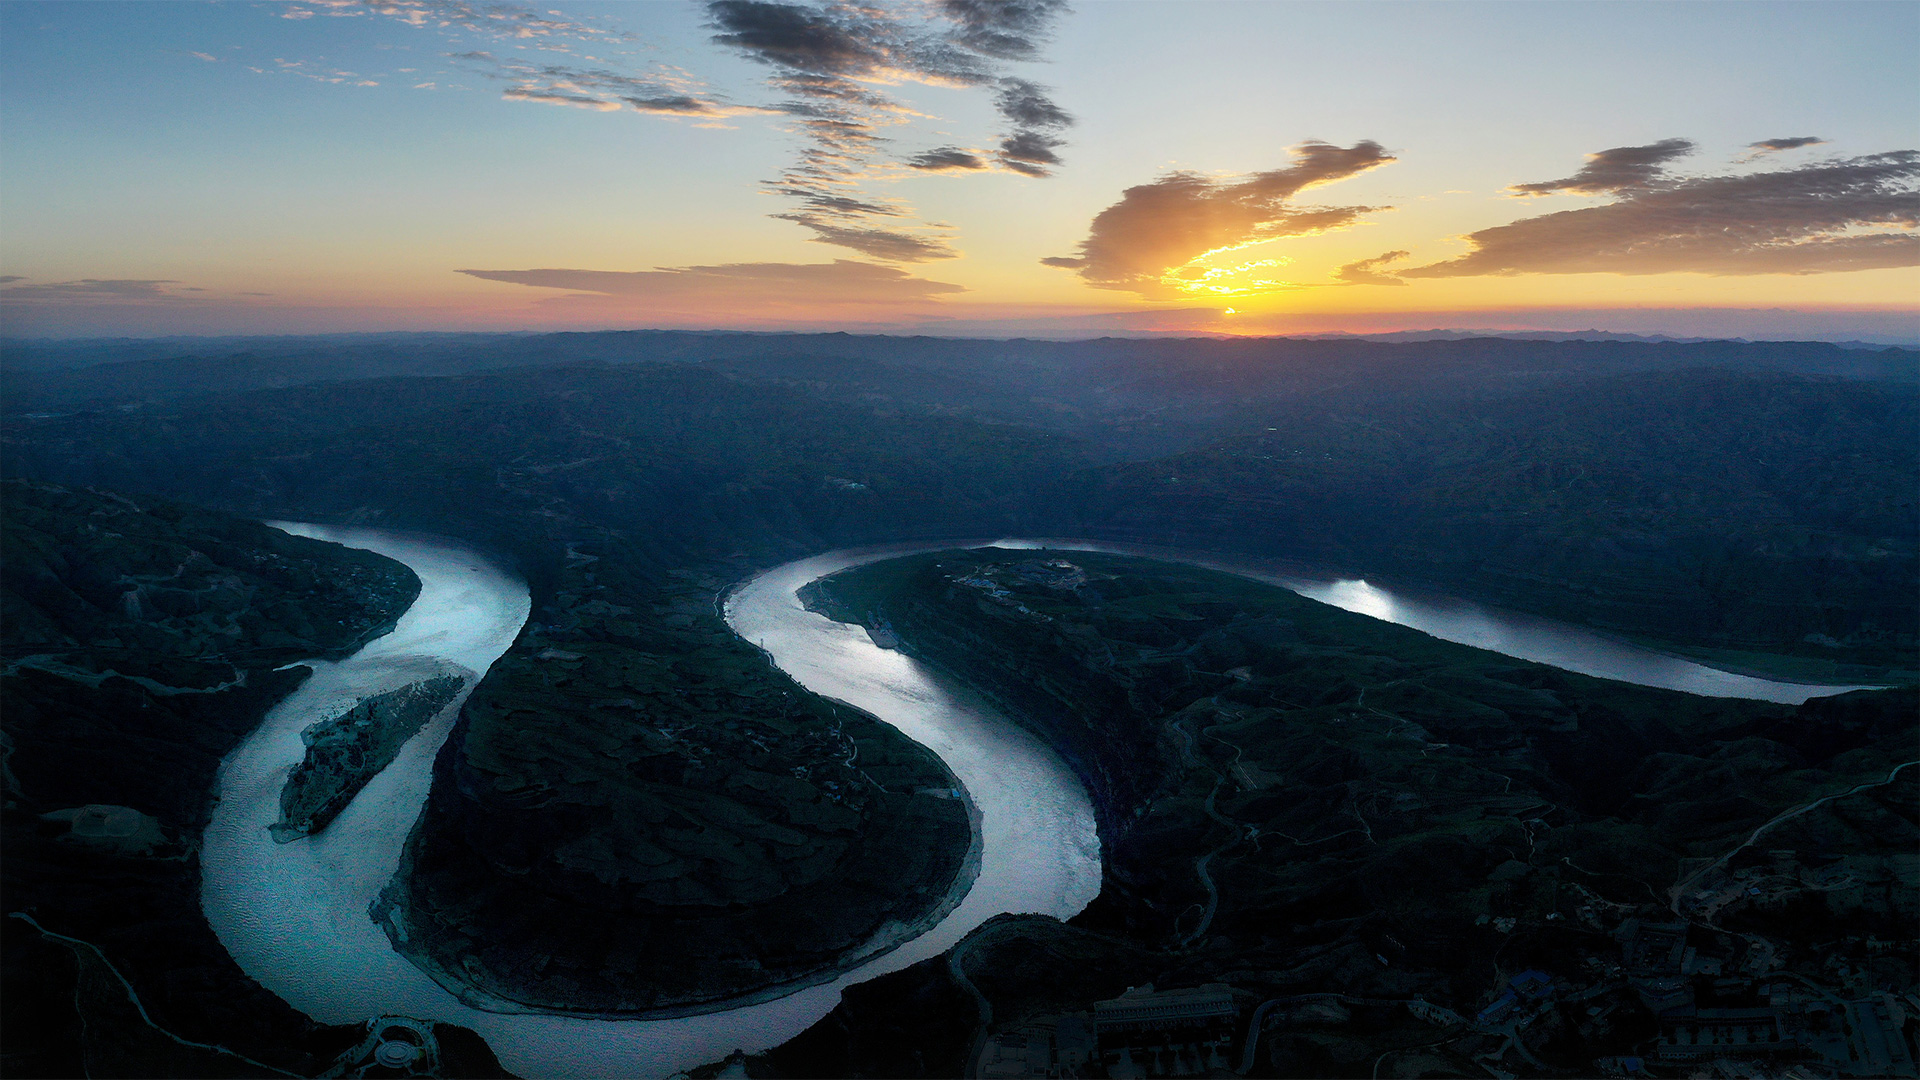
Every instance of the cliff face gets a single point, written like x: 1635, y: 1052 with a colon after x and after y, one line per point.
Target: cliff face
x: 141, y: 642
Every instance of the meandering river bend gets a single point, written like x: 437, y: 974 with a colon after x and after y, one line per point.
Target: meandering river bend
x: 294, y: 916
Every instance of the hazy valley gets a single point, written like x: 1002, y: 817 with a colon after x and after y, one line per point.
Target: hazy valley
x: 637, y: 812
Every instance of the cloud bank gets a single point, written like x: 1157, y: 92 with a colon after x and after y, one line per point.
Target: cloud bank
x: 1852, y: 214
x: 1151, y: 240
x: 88, y: 290
x: 741, y: 286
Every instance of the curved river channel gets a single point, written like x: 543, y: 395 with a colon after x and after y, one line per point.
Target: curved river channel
x: 294, y: 916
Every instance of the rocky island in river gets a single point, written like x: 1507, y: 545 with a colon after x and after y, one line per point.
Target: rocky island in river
x: 345, y: 752
x: 144, y: 639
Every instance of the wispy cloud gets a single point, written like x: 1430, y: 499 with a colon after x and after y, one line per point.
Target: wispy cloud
x: 1854, y: 214
x: 35, y: 301
x: 832, y: 63
x: 88, y: 290
x: 947, y: 159
x: 830, y: 59
x: 661, y: 92
x: 306, y: 70
x: 491, y: 19
x: 1156, y: 240
x: 737, y: 287
x: 1367, y: 271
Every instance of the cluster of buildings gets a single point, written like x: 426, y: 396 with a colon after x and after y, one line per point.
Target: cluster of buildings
x: 1872, y: 884
x: 1774, y: 1024
x: 1766, y: 1021
x: 1059, y: 575
x: 1141, y: 1033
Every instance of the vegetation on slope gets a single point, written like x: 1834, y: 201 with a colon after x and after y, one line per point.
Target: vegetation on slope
x: 635, y: 813
x: 1737, y: 512
x: 1718, y: 493
x: 1297, y: 799
x: 142, y: 640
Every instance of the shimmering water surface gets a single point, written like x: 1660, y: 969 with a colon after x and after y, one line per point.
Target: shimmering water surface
x: 1544, y: 641
x: 295, y: 915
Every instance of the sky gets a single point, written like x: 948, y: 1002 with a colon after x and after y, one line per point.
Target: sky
x: 960, y: 167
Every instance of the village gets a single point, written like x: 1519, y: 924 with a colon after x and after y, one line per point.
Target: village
x: 1721, y: 1004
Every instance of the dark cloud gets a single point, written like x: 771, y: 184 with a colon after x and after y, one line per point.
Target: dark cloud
x: 678, y: 105
x: 828, y: 57
x: 1854, y: 214
x: 740, y: 286
x: 1029, y: 152
x: 829, y: 88
x: 661, y: 93
x: 1028, y: 148
x: 1156, y: 229
x: 893, y: 245
x: 945, y: 159
x: 8, y: 279
x: 809, y: 40
x: 1792, y: 142
x: 1028, y: 105
x: 829, y: 61
x: 1622, y: 168
x: 1004, y: 29
x: 554, y: 98
x: 1367, y: 272
x: 842, y: 204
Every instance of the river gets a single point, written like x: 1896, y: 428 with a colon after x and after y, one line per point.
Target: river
x: 294, y: 916
x: 1511, y: 633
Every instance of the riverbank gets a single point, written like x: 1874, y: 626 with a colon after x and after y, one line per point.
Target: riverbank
x: 323, y: 954
x: 1640, y: 660
x: 667, y: 832
x: 1339, y: 805
x: 698, y: 962
x: 174, y: 627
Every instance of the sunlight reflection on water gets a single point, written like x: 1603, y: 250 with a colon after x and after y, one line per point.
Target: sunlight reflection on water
x: 1525, y: 637
x: 294, y: 916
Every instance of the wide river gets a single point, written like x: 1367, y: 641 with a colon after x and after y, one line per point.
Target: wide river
x: 294, y: 916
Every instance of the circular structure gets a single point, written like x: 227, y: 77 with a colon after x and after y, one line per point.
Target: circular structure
x: 395, y: 1054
